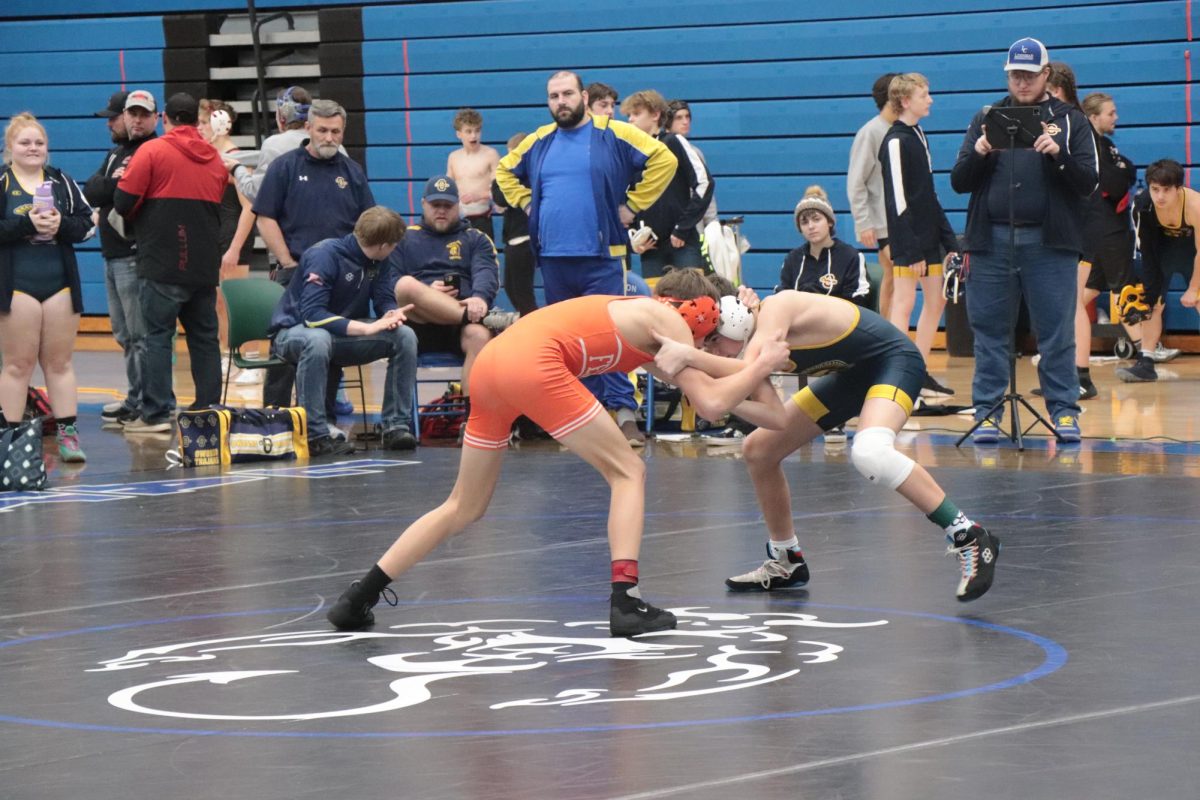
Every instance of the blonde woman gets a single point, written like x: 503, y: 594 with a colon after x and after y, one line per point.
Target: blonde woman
x: 40, y: 297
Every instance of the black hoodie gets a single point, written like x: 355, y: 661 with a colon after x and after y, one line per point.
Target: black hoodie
x: 1069, y: 178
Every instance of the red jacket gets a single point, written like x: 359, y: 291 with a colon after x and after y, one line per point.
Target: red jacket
x: 173, y: 188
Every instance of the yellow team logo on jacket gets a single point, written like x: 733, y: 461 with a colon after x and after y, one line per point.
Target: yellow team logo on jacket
x: 454, y: 249
x: 341, y: 182
x: 1053, y: 129
x: 828, y: 281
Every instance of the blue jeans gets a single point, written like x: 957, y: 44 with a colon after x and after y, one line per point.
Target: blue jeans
x: 125, y: 313
x: 195, y: 307
x: 565, y: 278
x: 315, y: 350
x: 1046, y: 278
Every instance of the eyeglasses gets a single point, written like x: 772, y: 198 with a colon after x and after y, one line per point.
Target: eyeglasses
x: 1021, y: 76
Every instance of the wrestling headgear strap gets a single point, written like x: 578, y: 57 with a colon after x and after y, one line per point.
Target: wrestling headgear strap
x: 737, y: 321
x: 700, y: 314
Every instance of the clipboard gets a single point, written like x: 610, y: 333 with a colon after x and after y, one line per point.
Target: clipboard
x: 998, y: 119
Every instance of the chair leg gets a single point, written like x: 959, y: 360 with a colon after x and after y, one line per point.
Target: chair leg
x: 362, y: 397
x: 228, y: 370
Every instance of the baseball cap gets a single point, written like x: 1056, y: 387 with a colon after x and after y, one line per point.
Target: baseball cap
x: 182, y: 107
x: 140, y: 98
x: 1027, y: 55
x: 116, y: 104
x: 441, y: 187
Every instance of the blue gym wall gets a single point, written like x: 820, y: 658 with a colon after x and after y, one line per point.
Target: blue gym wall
x: 777, y: 87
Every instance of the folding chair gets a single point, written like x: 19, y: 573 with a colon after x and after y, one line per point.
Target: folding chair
x: 249, y: 303
x: 434, y: 361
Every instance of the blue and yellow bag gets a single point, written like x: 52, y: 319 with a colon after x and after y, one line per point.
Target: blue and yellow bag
x: 222, y: 435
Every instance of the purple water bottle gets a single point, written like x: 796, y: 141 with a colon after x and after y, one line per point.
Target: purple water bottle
x: 43, y: 201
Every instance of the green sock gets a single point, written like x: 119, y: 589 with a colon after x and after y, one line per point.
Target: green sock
x: 949, y: 518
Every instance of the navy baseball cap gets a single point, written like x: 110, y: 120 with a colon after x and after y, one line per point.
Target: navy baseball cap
x: 441, y: 187
x: 1027, y: 55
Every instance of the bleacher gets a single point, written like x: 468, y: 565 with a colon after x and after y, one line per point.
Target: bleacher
x: 777, y: 88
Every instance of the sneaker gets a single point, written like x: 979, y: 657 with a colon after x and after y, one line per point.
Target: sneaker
x: 326, y: 446
x: 988, y: 432
x: 977, y: 551
x: 633, y: 434
x: 1067, y: 427
x: 399, y: 439
x: 836, y: 435
x: 143, y: 425
x: 120, y: 416
x: 630, y: 615
x: 1162, y: 355
x: 931, y: 388
x: 352, y: 612
x: 109, y: 408
x: 773, y: 574
x: 337, y: 434
x: 343, y: 407
x: 498, y: 321
x: 1087, y: 390
x: 68, y: 444
x: 250, y: 377
x: 1141, y: 372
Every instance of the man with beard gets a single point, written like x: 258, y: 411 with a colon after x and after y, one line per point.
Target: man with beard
x: 309, y: 194
x: 1039, y: 229
x: 131, y: 123
x: 582, y: 179
x: 446, y: 269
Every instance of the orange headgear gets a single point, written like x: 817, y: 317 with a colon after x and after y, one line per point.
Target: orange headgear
x: 700, y: 314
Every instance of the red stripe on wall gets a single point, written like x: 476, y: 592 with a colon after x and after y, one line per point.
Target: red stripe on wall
x: 1187, y: 104
x: 412, y: 210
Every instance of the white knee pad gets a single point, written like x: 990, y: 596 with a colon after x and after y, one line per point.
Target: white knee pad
x: 875, y: 456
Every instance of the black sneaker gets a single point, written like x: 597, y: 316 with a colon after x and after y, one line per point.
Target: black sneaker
x: 630, y: 615
x: 328, y: 446
x: 977, y: 551
x: 1087, y: 390
x: 399, y: 439
x: 931, y: 388
x: 352, y: 611
x: 772, y: 575
x: 119, y: 415
x: 1141, y: 372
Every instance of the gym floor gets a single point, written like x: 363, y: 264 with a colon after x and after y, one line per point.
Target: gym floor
x: 162, y: 632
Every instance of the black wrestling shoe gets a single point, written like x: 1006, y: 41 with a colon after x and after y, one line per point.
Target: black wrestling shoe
x: 977, y: 551
x: 328, y: 446
x: 630, y: 615
x: 352, y: 611
x: 1141, y: 372
x: 773, y: 574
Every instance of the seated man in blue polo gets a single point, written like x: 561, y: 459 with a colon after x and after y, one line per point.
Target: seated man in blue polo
x: 447, y: 271
x: 316, y: 325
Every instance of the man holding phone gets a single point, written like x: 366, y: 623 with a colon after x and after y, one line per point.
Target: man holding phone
x: 1034, y: 196
x: 447, y: 270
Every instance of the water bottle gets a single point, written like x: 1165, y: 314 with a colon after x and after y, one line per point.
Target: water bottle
x: 43, y: 201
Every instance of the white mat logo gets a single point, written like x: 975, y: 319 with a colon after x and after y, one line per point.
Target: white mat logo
x: 711, y: 652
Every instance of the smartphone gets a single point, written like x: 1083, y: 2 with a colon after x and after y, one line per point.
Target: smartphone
x: 452, y: 279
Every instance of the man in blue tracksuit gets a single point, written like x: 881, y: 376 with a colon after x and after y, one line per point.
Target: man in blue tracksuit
x: 316, y: 325
x: 581, y: 180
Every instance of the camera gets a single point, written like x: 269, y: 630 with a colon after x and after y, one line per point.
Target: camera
x: 453, y: 280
